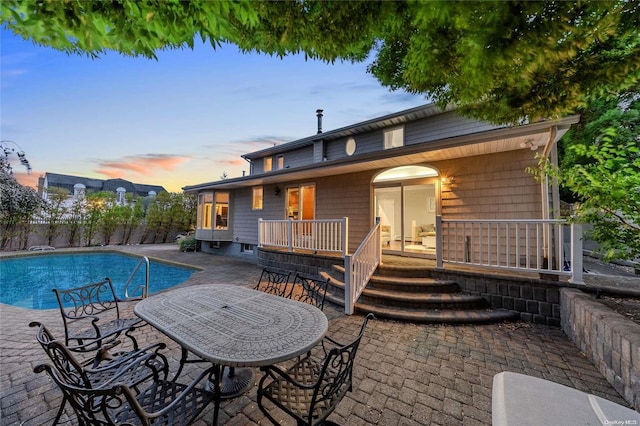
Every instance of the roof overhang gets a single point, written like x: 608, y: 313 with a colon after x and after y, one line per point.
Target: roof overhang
x: 539, y: 134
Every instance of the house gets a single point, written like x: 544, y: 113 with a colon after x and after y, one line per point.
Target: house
x: 403, y: 169
x: 78, y: 186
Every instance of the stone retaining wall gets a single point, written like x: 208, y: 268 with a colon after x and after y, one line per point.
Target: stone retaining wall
x: 310, y: 264
x: 609, y: 340
x: 536, y: 300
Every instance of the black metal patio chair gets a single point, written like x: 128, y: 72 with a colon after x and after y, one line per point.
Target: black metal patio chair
x: 162, y: 402
x: 309, y: 290
x: 91, y: 314
x: 274, y: 282
x: 311, y: 389
x: 131, y: 368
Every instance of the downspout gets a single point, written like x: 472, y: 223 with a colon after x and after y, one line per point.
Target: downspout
x: 547, y: 153
x: 550, y: 152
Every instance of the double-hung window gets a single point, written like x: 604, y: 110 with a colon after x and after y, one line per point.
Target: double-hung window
x: 222, y: 210
x: 394, y: 138
x: 205, y: 206
x: 258, y: 194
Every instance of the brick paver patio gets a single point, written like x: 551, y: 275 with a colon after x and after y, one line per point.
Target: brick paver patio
x: 406, y: 374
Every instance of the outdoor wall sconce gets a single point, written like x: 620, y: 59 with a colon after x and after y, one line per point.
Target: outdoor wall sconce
x: 277, y: 191
x: 448, y: 180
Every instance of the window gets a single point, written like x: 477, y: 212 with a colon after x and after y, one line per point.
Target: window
x: 258, y: 192
x: 205, y: 204
x: 394, y: 138
x: 280, y: 162
x: 268, y: 164
x: 246, y: 248
x: 222, y: 210
x: 350, y: 146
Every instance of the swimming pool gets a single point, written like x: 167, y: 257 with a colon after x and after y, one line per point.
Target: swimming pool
x: 27, y: 281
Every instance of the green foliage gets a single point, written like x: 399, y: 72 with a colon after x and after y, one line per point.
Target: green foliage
x: 169, y: 212
x: 503, y: 61
x: 18, y: 203
x: 133, y: 218
x: 187, y: 242
x: 608, y: 188
x: 55, y: 211
x: 75, y: 220
x: 600, y: 173
x: 326, y: 30
x: 95, y: 206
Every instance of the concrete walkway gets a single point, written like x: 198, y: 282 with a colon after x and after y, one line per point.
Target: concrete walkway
x: 406, y: 374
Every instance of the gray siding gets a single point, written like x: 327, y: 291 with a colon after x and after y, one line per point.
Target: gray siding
x: 442, y: 126
x: 318, y: 151
x: 365, y: 143
x: 245, y: 229
x: 299, y: 157
x: 438, y: 127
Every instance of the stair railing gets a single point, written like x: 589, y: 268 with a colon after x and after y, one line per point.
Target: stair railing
x: 360, y: 266
x: 144, y: 288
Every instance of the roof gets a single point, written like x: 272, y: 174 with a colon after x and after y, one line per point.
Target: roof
x: 394, y: 119
x: 91, y: 184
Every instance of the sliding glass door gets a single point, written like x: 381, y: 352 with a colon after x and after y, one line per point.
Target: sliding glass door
x: 407, y: 213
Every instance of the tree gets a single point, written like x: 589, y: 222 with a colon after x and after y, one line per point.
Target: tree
x: 55, y: 212
x: 95, y: 205
x: 18, y: 204
x: 132, y: 219
x: 601, y: 168
x: 75, y: 220
x: 512, y: 60
x: 111, y: 217
x: 500, y: 61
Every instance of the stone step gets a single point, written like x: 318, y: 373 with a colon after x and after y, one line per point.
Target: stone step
x: 416, y: 284
x: 418, y: 300
x: 436, y: 316
x: 401, y: 284
x: 414, y: 296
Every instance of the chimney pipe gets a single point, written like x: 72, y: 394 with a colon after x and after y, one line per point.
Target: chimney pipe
x: 319, y: 115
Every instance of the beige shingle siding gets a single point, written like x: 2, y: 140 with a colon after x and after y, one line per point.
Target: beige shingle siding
x: 493, y: 186
x: 485, y: 187
x: 346, y: 196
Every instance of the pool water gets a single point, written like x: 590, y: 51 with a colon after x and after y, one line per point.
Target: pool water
x: 27, y: 282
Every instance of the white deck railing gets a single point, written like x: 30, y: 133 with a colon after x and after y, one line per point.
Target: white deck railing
x: 543, y: 246
x: 359, y: 267
x: 551, y: 247
x: 328, y: 235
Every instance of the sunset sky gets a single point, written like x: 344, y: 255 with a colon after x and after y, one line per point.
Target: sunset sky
x: 181, y: 120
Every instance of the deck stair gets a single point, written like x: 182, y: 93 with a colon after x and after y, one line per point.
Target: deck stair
x: 409, y: 293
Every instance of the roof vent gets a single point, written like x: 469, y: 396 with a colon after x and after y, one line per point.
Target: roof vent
x: 319, y: 115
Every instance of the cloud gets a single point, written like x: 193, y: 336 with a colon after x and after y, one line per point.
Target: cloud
x: 28, y: 179
x: 145, y: 165
x: 230, y: 153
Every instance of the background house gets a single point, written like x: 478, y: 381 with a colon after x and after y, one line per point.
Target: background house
x: 79, y: 186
